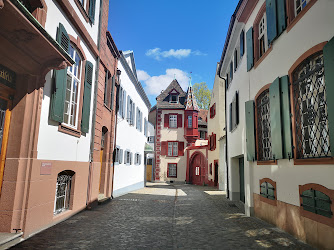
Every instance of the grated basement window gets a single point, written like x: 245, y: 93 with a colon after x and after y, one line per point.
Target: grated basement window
x: 63, y: 192
x: 267, y: 190
x: 317, y: 202
x: 263, y: 126
x: 310, y: 106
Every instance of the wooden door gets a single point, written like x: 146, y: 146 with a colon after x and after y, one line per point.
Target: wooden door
x: 149, y: 170
x: 197, y: 170
x: 4, y: 129
x: 216, y: 174
x: 242, y: 179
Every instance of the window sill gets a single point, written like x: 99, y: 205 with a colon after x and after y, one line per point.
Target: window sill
x: 293, y: 22
x: 257, y: 63
x: 272, y: 162
x: 314, y: 161
x: 268, y: 201
x: 109, y: 109
x: 82, y: 10
x: 171, y: 176
x: 68, y: 130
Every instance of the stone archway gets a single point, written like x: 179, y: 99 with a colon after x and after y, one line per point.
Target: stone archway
x: 197, y: 168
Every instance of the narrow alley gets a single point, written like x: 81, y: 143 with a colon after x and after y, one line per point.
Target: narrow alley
x: 163, y: 216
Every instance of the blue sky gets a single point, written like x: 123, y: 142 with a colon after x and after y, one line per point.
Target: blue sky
x: 173, y: 37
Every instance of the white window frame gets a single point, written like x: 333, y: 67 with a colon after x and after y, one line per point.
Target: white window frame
x: 173, y: 148
x: 171, y: 98
x: 263, y: 33
x: 190, y: 121
x: 173, y: 121
x: 117, y: 155
x: 63, y: 180
x: 301, y: 6
x: 74, y: 75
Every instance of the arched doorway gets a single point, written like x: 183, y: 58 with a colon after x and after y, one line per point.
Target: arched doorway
x: 197, y: 169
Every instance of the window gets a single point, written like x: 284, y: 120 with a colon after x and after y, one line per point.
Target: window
x: 130, y: 111
x: 106, y: 80
x: 103, y: 135
x: 213, y: 110
x: 234, y: 112
x: 231, y: 71
x: 172, y: 148
x: 121, y: 102
x: 137, y: 159
x: 128, y: 157
x: 172, y: 170
x: 310, y: 108
x: 63, y: 191
x: 299, y: 5
x: 174, y: 98
x: 316, y: 202
x: 202, y: 135
x: 190, y: 121
x: 211, y: 168
x: 235, y: 59
x: 145, y: 127
x: 150, y: 139
x: 117, y: 155
x: 173, y: 121
x: 212, y: 142
x: 263, y: 126
x: 139, y: 120
x: 197, y: 171
x: 267, y: 190
x: 72, y: 90
x: 227, y: 81
x: 242, y: 43
x: 263, y: 41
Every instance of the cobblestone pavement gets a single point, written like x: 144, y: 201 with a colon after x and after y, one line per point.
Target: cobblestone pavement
x: 164, y: 217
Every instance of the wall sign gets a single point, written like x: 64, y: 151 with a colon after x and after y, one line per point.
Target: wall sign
x: 7, y: 77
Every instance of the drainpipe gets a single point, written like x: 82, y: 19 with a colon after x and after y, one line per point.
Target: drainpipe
x: 94, y: 111
x: 226, y: 132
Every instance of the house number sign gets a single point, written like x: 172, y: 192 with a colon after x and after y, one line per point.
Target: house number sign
x: 7, y: 77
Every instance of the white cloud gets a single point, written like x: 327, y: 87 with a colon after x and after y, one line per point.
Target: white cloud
x: 155, y: 84
x: 157, y: 53
x: 142, y: 75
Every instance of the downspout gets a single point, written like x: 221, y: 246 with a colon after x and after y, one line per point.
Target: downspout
x: 226, y: 133
x: 94, y: 111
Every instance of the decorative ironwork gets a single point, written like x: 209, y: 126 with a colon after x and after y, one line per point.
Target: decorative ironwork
x: 263, y: 126
x: 63, y: 193
x: 267, y: 190
x: 310, y: 106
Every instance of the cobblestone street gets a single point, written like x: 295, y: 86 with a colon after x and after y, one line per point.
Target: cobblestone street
x: 164, y: 216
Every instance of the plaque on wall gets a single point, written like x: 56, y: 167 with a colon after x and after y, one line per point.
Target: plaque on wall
x: 46, y: 168
x: 7, y: 77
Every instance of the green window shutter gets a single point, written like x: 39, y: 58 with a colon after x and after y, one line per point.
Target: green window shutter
x: 329, y: 82
x: 281, y: 16
x: 91, y: 12
x: 275, y: 120
x: 58, y: 96
x: 271, y: 20
x: 62, y: 38
x: 250, y: 52
x: 231, y: 110
x: 87, y: 96
x: 231, y: 71
x: 286, y: 117
x: 242, y: 43
x: 112, y: 93
x: 250, y: 131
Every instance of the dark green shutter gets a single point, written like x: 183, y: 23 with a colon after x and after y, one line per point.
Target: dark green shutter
x: 271, y: 20
x: 91, y: 11
x: 250, y: 131
x: 58, y: 95
x: 231, y: 110
x: 281, y: 16
x: 286, y: 117
x: 237, y: 108
x: 112, y: 93
x: 329, y: 81
x: 242, y: 43
x: 250, y: 53
x: 87, y: 96
x: 275, y: 120
x: 231, y: 71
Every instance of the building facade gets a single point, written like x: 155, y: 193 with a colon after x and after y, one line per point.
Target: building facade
x: 278, y: 65
x: 180, y: 155
x: 49, y: 79
x: 132, y: 129
x: 216, y: 134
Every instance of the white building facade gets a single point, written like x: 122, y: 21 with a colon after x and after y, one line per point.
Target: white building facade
x: 132, y: 129
x: 278, y: 64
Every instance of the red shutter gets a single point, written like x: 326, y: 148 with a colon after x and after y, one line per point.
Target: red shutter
x: 166, y: 121
x: 214, y: 109
x: 181, y: 148
x: 209, y: 142
x: 179, y: 120
x: 214, y: 141
x: 163, y: 148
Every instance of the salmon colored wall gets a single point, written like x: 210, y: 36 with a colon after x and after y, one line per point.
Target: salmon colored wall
x: 288, y: 218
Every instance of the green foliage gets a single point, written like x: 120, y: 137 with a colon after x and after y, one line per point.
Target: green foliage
x: 202, y: 94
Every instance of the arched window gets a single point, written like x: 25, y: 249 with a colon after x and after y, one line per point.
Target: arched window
x: 263, y: 126
x: 310, y: 107
x: 63, y: 191
x: 72, y: 89
x: 103, y: 135
x: 316, y: 202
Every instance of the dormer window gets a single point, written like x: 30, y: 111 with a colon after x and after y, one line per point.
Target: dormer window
x: 174, y: 96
